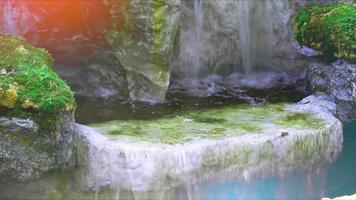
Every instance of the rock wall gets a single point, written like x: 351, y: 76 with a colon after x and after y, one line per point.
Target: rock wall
x: 144, y: 45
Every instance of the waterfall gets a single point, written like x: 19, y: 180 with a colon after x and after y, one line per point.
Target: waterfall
x: 255, y: 34
x: 199, y: 25
x: 222, y: 43
x: 245, y: 35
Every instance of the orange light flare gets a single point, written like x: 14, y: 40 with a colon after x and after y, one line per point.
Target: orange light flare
x: 67, y: 28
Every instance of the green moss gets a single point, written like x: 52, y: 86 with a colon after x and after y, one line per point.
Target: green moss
x: 210, y: 123
x: 40, y: 92
x: 206, y: 119
x: 251, y: 127
x: 240, y: 156
x: 329, y: 28
x: 306, y: 149
x: 303, y: 120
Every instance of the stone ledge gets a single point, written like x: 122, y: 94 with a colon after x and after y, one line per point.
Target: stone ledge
x: 123, y: 163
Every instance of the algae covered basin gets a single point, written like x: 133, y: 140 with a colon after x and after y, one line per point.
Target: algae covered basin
x: 229, y: 142
x: 213, y: 123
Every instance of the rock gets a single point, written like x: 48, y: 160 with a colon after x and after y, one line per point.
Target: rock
x: 102, y: 79
x: 319, y: 101
x: 234, y: 142
x: 27, y: 154
x: 339, y: 81
x: 145, y: 44
x: 350, y: 197
x: 39, y: 135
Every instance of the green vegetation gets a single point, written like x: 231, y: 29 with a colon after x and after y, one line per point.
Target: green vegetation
x: 329, y: 28
x: 301, y: 120
x: 28, y: 85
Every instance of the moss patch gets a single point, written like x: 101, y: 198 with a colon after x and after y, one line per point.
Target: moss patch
x: 210, y: 124
x: 301, y: 120
x: 329, y: 28
x: 28, y: 85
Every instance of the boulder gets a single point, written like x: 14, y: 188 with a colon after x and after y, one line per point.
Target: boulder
x: 36, y: 108
x: 27, y: 154
x: 338, y: 80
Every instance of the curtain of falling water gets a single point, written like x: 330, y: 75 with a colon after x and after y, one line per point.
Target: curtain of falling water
x: 255, y: 33
x: 228, y: 36
x: 199, y: 25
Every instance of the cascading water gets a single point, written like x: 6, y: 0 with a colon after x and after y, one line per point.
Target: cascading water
x: 199, y: 25
x: 246, y: 39
x: 245, y: 35
x: 249, y: 49
x: 255, y: 30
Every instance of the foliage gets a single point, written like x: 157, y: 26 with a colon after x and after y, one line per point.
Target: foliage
x: 27, y: 71
x: 329, y: 28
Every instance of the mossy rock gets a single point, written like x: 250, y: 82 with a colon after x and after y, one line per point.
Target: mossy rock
x: 329, y: 28
x: 28, y: 85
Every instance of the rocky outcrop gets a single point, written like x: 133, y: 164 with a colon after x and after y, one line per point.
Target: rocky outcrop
x: 27, y: 153
x: 338, y: 80
x: 145, y: 44
x: 36, y: 108
x: 238, y: 142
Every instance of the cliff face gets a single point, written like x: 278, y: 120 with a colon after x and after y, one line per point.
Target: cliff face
x: 119, y: 49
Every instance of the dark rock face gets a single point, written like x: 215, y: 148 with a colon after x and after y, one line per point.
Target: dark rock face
x: 26, y: 154
x: 99, y: 78
x: 339, y: 81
